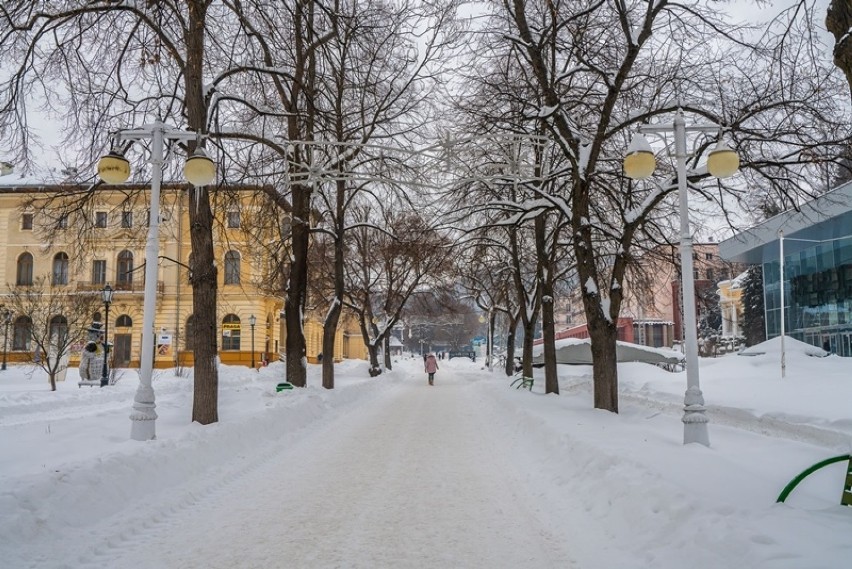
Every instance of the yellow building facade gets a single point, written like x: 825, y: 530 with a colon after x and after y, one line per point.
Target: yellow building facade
x: 101, y: 240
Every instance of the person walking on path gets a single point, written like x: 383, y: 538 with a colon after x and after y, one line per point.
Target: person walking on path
x: 431, y: 367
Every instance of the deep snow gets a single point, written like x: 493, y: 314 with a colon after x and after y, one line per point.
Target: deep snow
x: 389, y: 472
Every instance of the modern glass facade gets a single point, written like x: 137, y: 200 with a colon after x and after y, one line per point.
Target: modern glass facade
x: 817, y: 296
x: 817, y: 269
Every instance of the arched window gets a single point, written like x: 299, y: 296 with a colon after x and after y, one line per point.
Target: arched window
x: 189, y: 333
x: 22, y: 330
x: 124, y: 321
x: 58, y: 330
x: 231, y: 332
x: 60, y: 269
x: 25, y: 270
x: 124, y: 272
x: 232, y: 267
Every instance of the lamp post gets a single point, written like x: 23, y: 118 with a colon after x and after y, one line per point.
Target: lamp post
x: 115, y: 169
x: 252, y: 322
x: 490, y: 339
x: 106, y: 293
x: 722, y: 162
x: 7, y: 318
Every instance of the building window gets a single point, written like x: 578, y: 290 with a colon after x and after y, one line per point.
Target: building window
x: 25, y: 270
x: 124, y: 321
x: 59, y: 330
x: 232, y: 267
x: 21, y: 333
x: 709, y: 274
x: 234, y: 219
x: 126, y: 219
x: 60, y: 269
x: 695, y: 274
x: 124, y: 274
x: 100, y: 219
x: 27, y: 221
x: 231, y: 332
x: 62, y: 222
x: 99, y: 272
x: 708, y: 256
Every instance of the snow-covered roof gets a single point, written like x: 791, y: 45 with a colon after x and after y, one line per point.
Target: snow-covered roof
x: 37, y: 179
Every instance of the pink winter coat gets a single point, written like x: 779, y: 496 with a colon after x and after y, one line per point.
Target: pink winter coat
x: 431, y: 364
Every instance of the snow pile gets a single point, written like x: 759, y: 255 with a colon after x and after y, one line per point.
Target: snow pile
x: 467, y: 473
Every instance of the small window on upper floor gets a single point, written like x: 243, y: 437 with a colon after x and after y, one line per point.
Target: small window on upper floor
x: 27, y: 221
x: 234, y: 219
x: 100, y: 219
x: 708, y: 256
x: 62, y: 222
x: 126, y: 219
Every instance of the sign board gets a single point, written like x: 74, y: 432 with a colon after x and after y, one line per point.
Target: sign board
x: 164, y: 344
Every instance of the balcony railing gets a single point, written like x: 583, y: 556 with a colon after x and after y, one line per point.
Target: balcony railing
x: 135, y: 287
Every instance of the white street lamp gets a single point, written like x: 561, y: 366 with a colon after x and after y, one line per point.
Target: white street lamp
x: 115, y: 169
x: 722, y: 162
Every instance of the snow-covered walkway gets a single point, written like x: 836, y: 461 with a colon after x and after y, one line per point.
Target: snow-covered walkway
x: 389, y: 472
x: 415, y: 477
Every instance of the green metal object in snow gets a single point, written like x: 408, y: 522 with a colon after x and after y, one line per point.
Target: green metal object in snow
x: 283, y: 386
x: 846, y: 497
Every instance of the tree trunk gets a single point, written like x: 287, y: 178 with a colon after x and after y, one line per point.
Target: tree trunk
x: 204, y: 279
x: 604, y: 364
x: 294, y: 303
x: 329, y: 333
x: 387, y: 354
x: 52, y: 379
x: 333, y: 318
x: 839, y: 22
x: 510, y: 345
x: 375, y: 369
x: 529, y: 327
x: 545, y: 276
x: 548, y: 326
x: 205, y: 400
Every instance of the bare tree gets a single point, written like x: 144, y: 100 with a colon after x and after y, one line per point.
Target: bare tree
x: 103, y: 66
x: 54, y: 319
x: 599, y: 69
x: 387, y: 267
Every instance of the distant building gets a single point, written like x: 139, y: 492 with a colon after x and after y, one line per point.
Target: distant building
x: 817, y: 269
x: 731, y: 306
x: 103, y: 241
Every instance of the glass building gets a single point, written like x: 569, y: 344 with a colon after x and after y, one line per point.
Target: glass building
x: 817, y: 243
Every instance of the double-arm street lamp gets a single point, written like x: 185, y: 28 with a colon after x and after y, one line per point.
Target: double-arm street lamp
x: 722, y: 162
x: 252, y: 322
x: 106, y: 293
x: 115, y: 169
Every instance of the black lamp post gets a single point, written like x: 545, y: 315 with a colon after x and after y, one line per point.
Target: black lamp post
x: 252, y: 322
x: 7, y: 318
x: 107, y: 293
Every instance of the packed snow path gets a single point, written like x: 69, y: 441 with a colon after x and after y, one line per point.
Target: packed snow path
x: 415, y: 477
